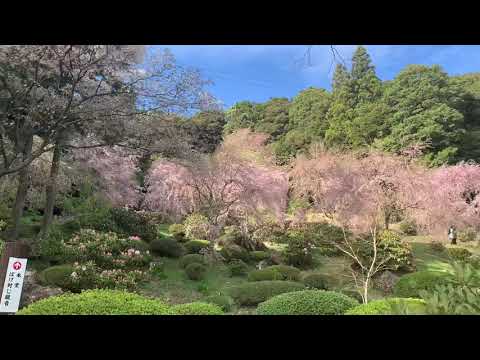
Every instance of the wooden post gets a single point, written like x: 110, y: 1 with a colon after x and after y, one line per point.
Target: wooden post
x: 11, y: 249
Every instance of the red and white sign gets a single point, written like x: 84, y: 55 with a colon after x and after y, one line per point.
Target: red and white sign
x: 12, y: 289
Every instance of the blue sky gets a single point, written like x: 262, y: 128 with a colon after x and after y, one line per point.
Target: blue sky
x: 259, y: 72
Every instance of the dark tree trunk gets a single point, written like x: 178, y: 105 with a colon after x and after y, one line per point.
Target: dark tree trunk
x: 387, y: 220
x: 51, y: 189
x: 22, y: 190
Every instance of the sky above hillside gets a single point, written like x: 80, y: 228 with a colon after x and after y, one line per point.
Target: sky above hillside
x: 259, y: 72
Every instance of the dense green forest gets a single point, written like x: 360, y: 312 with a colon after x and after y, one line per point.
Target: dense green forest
x: 421, y: 106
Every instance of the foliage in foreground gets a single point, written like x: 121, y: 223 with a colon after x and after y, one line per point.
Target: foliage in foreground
x: 253, y: 293
x: 97, y: 302
x: 275, y: 272
x: 410, y: 285
x: 197, y: 308
x: 307, y: 302
x: 387, y: 307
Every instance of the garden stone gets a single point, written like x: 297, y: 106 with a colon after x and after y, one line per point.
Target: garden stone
x: 32, y: 291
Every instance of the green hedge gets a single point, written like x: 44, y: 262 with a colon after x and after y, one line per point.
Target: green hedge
x: 194, y: 246
x: 56, y: 275
x: 253, y: 293
x: 234, y: 252
x: 97, y: 302
x: 167, y: 247
x: 190, y: 259
x: 307, y: 302
x: 410, y: 285
x: 260, y: 255
x: 316, y: 281
x: 197, y: 308
x: 384, y: 307
x: 275, y: 272
x: 224, y: 301
x: 195, y: 271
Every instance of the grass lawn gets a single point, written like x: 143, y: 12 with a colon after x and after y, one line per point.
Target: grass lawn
x: 174, y: 286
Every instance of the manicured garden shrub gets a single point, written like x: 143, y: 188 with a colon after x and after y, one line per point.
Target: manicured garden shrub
x: 253, y: 293
x: 264, y: 274
x: 231, y: 252
x: 167, y: 247
x: 259, y: 255
x: 275, y: 272
x: 197, y: 308
x: 237, y: 267
x: 178, y: 232
x: 223, y: 301
x: 315, y: 281
x: 384, y: 307
x: 408, y: 227
x: 194, y: 246
x: 97, y: 302
x: 410, y: 285
x: 307, y: 302
x: 59, y: 275
x: 190, y: 259
x: 195, y: 271
x: 299, y: 249
x: 459, y: 254
x: 196, y: 226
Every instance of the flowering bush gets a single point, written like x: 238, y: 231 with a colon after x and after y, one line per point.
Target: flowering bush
x: 107, y: 250
x: 104, y: 260
x: 196, y: 226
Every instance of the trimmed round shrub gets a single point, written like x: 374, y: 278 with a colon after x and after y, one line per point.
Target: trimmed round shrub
x: 408, y: 227
x: 232, y: 251
x: 56, y: 275
x: 194, y: 246
x: 197, y: 308
x: 97, y: 302
x: 307, y: 302
x: 223, y: 301
x: 167, y: 247
x: 410, y: 285
x: 259, y: 255
x: 195, y: 271
x: 384, y: 307
x: 177, y: 231
x: 315, y: 281
x: 190, y: 259
x: 253, y: 293
x: 275, y: 272
x: 237, y: 267
x: 459, y: 254
x: 264, y: 274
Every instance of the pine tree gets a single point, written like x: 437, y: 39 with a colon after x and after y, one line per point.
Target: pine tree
x: 366, y: 84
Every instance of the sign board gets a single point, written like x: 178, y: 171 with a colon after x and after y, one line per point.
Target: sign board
x: 12, y: 288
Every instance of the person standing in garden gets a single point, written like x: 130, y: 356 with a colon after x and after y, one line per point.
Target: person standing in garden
x: 452, y: 235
